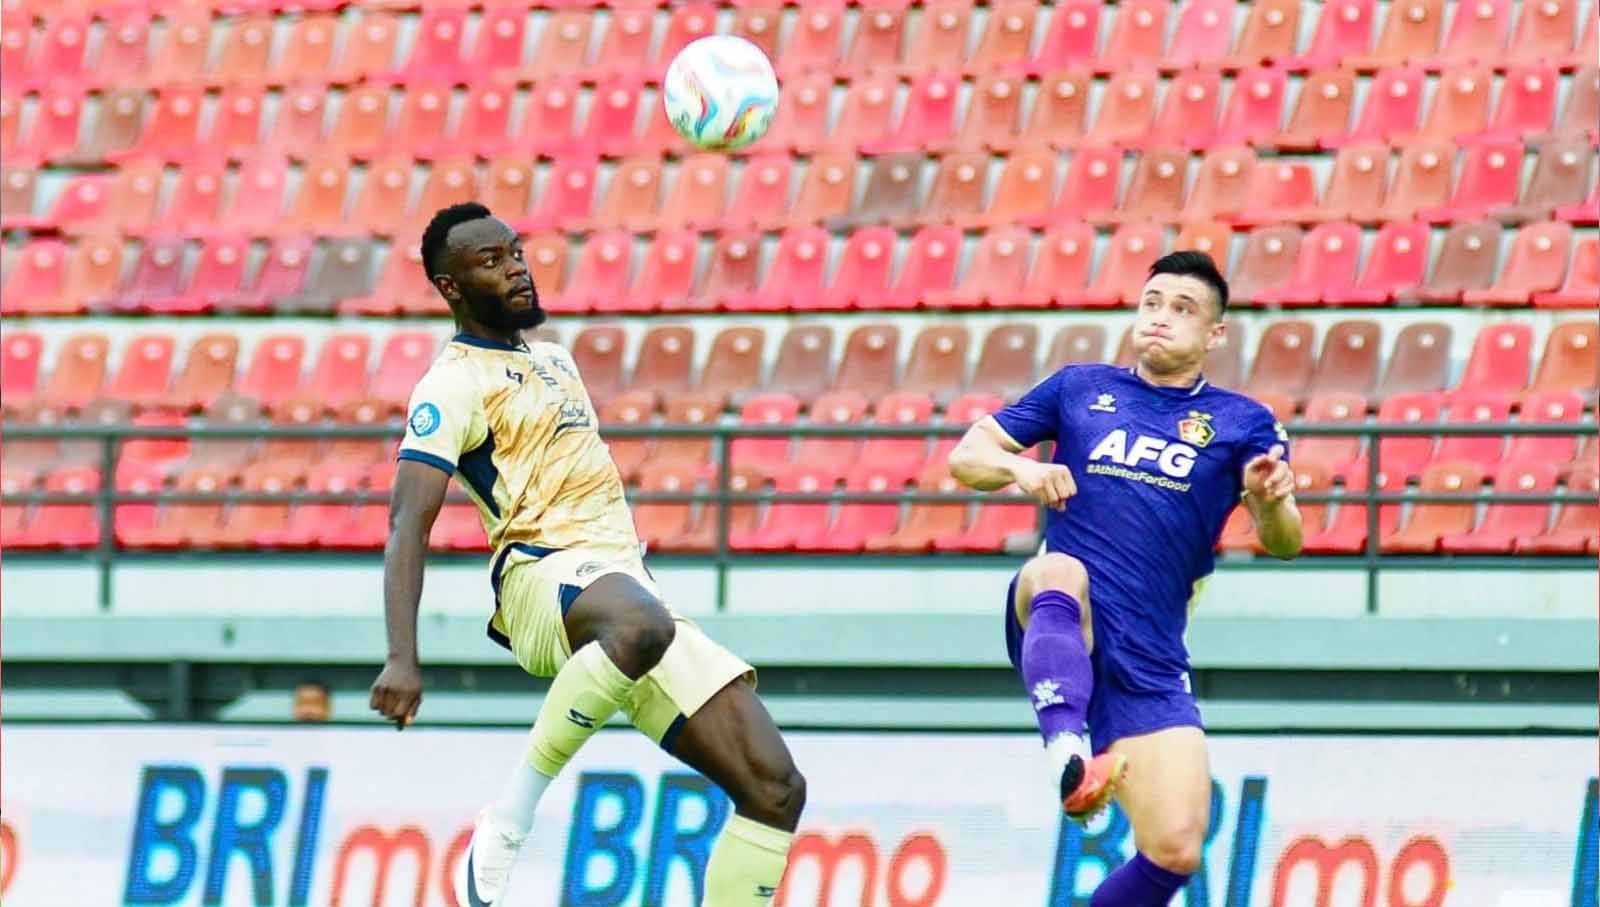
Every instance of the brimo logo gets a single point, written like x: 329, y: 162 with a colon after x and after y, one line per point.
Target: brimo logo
x: 1174, y: 458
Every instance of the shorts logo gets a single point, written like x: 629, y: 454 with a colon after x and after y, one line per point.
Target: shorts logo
x: 424, y: 420
x: 1197, y: 428
x: 1046, y: 693
x: 589, y: 567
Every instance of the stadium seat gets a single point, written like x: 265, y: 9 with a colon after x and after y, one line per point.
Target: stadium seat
x: 94, y: 273
x: 1337, y: 454
x: 1429, y: 523
x: 630, y: 408
x: 1536, y: 264
x: 1202, y: 37
x: 702, y: 535
x: 1267, y: 265
x: 177, y: 525
x: 1489, y: 179
x: 1284, y: 361
x: 1255, y: 108
x: 116, y: 128
x: 599, y: 351
x: 83, y: 204
x: 366, y: 525
x: 1560, y: 177
x: 38, y: 284
x: 1500, y: 361
x: 989, y: 120
x: 1346, y: 532
x: 998, y: 269
x: 1211, y: 237
x: 690, y: 451
x: 1569, y: 362
x: 1349, y: 361
x: 697, y: 195
x: 1269, y: 33
x: 600, y: 277
x: 320, y: 202
x: 1396, y: 266
x: 767, y: 457
x: 1061, y: 267
x: 172, y: 130
x: 1011, y: 527
x: 1024, y: 189
x: 660, y: 522
x: 406, y: 355
x: 207, y: 373
x: 830, y: 458
x: 1410, y: 34
x: 855, y: 523
x: 79, y: 372
x: 1090, y: 189
x: 1006, y: 362
x: 864, y: 270
x: 870, y: 361
x: 1137, y: 37
x: 1280, y: 192
x: 274, y: 372
x: 1465, y: 262
x: 244, y: 525
x: 362, y: 127
x: 793, y: 279
x: 1404, y: 457
x: 925, y: 523
x: 1582, y: 285
x: 1071, y: 40
x: 1390, y: 111
x: 562, y: 47
x: 438, y: 51
x: 814, y: 42
x: 732, y: 273
x: 368, y: 47
x: 1344, y: 30
x: 665, y: 279
x: 929, y: 120
x: 257, y: 203
x: 734, y: 364
x: 485, y: 127
x: 1059, y: 114
x: 21, y: 371
x: 665, y: 363
x: 825, y: 191
x: 1577, y: 524
x: 547, y: 121
x: 1504, y: 523
x: 508, y: 186
x: 1156, y: 190
x: 956, y: 196
x: 60, y: 54
x: 246, y: 50
x: 940, y: 41
x: 565, y: 201
x: 145, y: 372
x: 1075, y: 344
x: 1580, y: 117
x: 298, y: 126
x: 929, y: 267
x: 937, y: 367
x: 1544, y: 31
x: 424, y: 116
x: 1477, y: 33
x: 801, y: 123
x: 1484, y: 450
x: 898, y: 459
x: 1321, y: 110
x: 68, y: 526
x: 308, y: 53
x: 340, y: 374
x: 609, y: 129
x: 805, y: 362
x: 1460, y: 105
x: 762, y: 195
x: 1222, y: 187
x: 1586, y: 212
x: 1133, y: 249
x: 875, y: 47
x: 1326, y: 268
x: 10, y: 125
x: 1547, y: 407
x: 196, y: 203
x: 1127, y: 108
x: 1006, y: 38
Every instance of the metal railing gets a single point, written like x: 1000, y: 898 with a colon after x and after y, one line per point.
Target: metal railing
x: 1371, y: 560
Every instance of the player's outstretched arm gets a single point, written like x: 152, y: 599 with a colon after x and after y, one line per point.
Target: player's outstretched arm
x: 419, y: 491
x: 987, y: 459
x: 1269, y: 496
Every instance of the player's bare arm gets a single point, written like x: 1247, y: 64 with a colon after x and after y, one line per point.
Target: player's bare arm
x: 987, y: 459
x: 1269, y: 496
x: 418, y: 494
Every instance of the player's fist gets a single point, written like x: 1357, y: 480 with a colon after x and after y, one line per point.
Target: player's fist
x: 1268, y: 477
x: 1048, y: 483
x: 397, y: 692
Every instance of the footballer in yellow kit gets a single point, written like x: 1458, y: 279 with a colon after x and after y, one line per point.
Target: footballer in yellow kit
x: 512, y: 423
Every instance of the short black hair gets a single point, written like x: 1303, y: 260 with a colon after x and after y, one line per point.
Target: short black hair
x: 439, y: 230
x: 1190, y: 263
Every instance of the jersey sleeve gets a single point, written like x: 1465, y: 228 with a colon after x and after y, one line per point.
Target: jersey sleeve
x: 1037, y: 416
x: 1265, y: 431
x: 446, y: 419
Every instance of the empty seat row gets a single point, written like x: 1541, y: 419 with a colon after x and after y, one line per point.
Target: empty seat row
x: 426, y: 120
x: 1432, y: 181
x: 452, y: 43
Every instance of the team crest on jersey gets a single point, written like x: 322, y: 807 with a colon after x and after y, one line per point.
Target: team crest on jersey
x: 424, y: 420
x: 1196, y: 429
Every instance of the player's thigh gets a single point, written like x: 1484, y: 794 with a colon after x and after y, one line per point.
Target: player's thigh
x: 1167, y: 793
x: 733, y: 741
x: 625, y: 616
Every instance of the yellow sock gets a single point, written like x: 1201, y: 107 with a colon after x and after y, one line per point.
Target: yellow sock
x: 587, y: 691
x: 746, y: 864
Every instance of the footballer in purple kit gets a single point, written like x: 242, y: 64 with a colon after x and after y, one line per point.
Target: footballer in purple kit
x: 1149, y: 462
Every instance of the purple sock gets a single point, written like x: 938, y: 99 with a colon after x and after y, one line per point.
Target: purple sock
x: 1138, y: 883
x: 1055, y: 664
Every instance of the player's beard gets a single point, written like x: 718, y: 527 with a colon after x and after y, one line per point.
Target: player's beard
x: 489, y: 310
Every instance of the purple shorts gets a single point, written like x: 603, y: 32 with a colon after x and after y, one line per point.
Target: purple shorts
x: 1116, y: 708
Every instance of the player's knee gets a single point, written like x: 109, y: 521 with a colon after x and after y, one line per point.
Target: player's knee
x: 644, y: 636
x: 1178, y: 850
x: 778, y: 798
x: 1056, y: 571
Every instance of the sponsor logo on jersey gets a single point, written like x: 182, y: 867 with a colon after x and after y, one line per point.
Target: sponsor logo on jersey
x: 1105, y: 403
x: 1197, y: 428
x: 1174, y: 459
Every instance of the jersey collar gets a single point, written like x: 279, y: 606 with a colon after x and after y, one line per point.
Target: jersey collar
x: 1197, y: 387
x: 482, y: 342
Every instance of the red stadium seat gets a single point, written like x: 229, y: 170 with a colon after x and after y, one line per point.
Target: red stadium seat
x: 1134, y: 248
x: 660, y: 522
x: 38, y: 284
x: 236, y: 129
x: 880, y: 29
x: 991, y: 118
x: 1128, y: 107
x: 196, y: 204
x: 613, y: 111
x: 563, y: 44
x: 814, y: 44
x: 1337, y: 454
x: 1547, y: 407
x: 1501, y: 357
x: 60, y: 54
x: 997, y: 527
x: 64, y: 525
x: 929, y: 267
x: 1429, y: 523
x: 340, y: 375
x: 1396, y: 266
x: 256, y: 207
x: 831, y: 457
x: 1345, y: 30
x: 145, y: 372
x: 1284, y: 361
x: 1577, y: 523
x: 1137, y: 38
x: 794, y: 277
x: 665, y: 280
x: 762, y: 195
x: 1569, y: 362
x: 245, y: 525
x: 1390, y: 111
x: 1060, y: 106
x: 438, y: 52
x: 298, y: 126
x: 855, y: 523
x: 405, y: 357
x: 1484, y: 451
x: 366, y: 525
x: 566, y: 199
x: 930, y: 116
x: 1410, y: 35
x: 547, y: 122
x: 1326, y: 267
x: 1405, y: 457
x: 765, y: 456
x: 1489, y: 180
x: 1006, y: 36
x: 1477, y: 33
x: 21, y: 371
x: 1222, y: 187
x: 826, y: 191
x: 870, y: 362
x: 1255, y: 108
x: 1024, y: 190
x: 1536, y: 264
x: 702, y: 535
x: 897, y: 460
x: 1321, y: 111
x: 697, y: 194
x: 1090, y: 188
x: 1203, y: 35
x: 1072, y: 40
x: 998, y: 269
x: 940, y: 41
x: 599, y: 352
x: 308, y: 54
x: 1267, y: 265
x: 274, y: 372
x: 1279, y: 192
x: 864, y: 270
x: 630, y: 408
x: 925, y: 523
x: 1189, y: 110
x: 687, y: 22
x: 601, y: 276
x: 369, y: 47
x: 1156, y: 191
x: 801, y: 123
x: 1502, y: 523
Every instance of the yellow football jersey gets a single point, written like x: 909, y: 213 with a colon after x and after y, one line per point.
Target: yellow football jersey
x: 516, y: 428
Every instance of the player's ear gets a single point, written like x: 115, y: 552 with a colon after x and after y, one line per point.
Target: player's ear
x: 1217, y: 336
x: 446, y: 285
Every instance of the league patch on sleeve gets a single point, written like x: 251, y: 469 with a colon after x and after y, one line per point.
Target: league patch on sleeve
x: 424, y: 420
x: 1277, y: 429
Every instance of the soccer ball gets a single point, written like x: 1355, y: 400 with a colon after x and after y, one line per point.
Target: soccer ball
x: 720, y: 93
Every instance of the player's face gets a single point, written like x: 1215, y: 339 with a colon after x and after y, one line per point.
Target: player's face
x: 487, y: 276
x: 1177, y: 323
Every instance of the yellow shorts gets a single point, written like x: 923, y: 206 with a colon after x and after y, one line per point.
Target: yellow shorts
x: 534, y: 595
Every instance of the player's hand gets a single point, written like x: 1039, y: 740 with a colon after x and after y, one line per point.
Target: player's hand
x: 397, y: 692
x: 1048, y: 483
x: 1268, y: 477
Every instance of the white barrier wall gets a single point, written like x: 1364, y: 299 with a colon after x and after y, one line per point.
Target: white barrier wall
x: 104, y: 815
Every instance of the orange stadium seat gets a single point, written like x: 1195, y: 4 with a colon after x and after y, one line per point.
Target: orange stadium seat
x: 1059, y: 114
x: 1267, y: 264
x: 1006, y: 37
x: 1222, y: 187
x: 1285, y: 359
x: 767, y: 457
x: 855, y: 523
x: 895, y: 460
x: 1269, y: 33
x: 940, y: 41
x: 1344, y: 30
x: 68, y: 526
x: 599, y: 352
x: 997, y: 527
x: 1390, y: 111
x: 688, y: 452
x: 1570, y: 360
x: 1477, y: 33
x: 925, y: 523
x: 1137, y: 37
x: 1485, y: 451
x: 1337, y: 454
x: 1460, y: 105
x: 257, y: 202
x: 702, y: 535
x: 368, y: 48
x: 825, y: 191
x: 1156, y: 190
x: 998, y: 269
x: 245, y: 525
x: 1429, y: 523
x: 1024, y: 189
x: 1536, y: 264
x: 990, y: 119
x: 94, y: 273
x: 875, y: 47
x: 79, y: 372
x: 863, y: 271
x: 1279, y: 191
x: 1577, y: 524
x: 563, y: 45
x: 814, y: 44
x: 207, y: 373
x: 1321, y: 110
x: 1090, y: 188
x: 666, y: 278
x: 629, y: 454
x: 298, y: 126
x: 1127, y: 108
x: 1544, y: 31
x: 734, y: 364
x: 801, y: 123
x: 1405, y: 457
x: 308, y: 53
x: 870, y: 361
x: 123, y: 56
x: 657, y: 523
x: 1410, y: 34
x: 246, y: 50
x: 793, y: 278
x: 508, y: 187
x: 697, y: 195
x: 1133, y: 249
x: 196, y: 204
x: 38, y: 283
x: 929, y: 267
x: 665, y: 364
